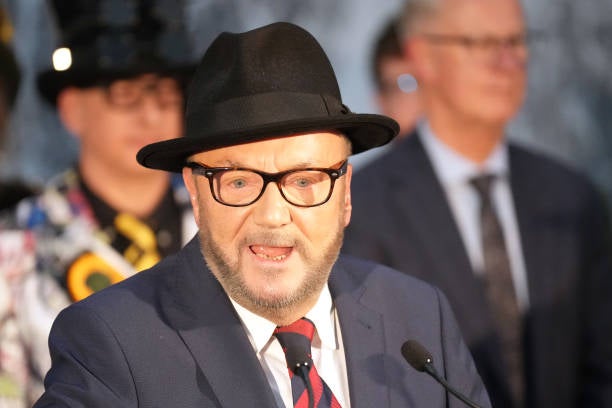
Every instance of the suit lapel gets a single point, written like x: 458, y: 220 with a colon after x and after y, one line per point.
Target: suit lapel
x: 536, y: 226
x: 197, y: 307
x: 362, y: 336
x: 547, y: 261
x: 422, y: 199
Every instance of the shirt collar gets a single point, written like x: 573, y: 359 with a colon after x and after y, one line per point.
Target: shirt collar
x: 451, y: 167
x: 260, y: 329
x: 323, y: 316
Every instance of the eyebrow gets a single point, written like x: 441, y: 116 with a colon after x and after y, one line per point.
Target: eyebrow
x: 236, y: 164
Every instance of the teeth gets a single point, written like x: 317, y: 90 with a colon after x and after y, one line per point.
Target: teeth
x: 274, y: 258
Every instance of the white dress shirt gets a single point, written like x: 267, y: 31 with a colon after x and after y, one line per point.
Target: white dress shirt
x: 454, y: 172
x: 327, y: 350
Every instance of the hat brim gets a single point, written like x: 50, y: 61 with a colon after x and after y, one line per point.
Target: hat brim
x: 365, y: 131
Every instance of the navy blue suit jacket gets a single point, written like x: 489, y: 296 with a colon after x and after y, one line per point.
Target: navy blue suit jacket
x: 401, y: 218
x: 169, y: 337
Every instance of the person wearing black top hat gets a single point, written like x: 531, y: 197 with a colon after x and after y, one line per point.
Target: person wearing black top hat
x: 117, y: 82
x: 259, y: 310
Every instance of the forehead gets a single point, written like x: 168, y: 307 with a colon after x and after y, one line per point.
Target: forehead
x: 480, y: 16
x: 315, y: 149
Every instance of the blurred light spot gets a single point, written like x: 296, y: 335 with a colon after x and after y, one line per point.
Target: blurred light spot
x: 407, y: 83
x: 62, y: 59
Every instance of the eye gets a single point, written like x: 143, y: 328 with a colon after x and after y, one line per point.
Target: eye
x: 303, y: 182
x: 122, y: 92
x: 468, y: 41
x: 304, y: 179
x: 237, y: 183
x: 239, y: 180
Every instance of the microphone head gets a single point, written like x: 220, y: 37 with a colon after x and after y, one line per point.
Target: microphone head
x: 416, y: 355
x: 295, y: 359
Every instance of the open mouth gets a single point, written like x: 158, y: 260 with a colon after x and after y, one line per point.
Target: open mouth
x: 270, y: 253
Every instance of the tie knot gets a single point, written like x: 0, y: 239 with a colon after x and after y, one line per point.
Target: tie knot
x: 302, y: 327
x: 482, y: 183
x: 295, y: 340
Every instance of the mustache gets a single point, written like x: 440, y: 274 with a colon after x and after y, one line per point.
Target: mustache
x: 273, y: 239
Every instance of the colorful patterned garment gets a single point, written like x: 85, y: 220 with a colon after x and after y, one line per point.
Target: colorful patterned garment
x: 80, y: 246
x: 16, y: 257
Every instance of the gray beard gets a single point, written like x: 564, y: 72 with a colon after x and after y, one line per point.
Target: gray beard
x: 228, y: 274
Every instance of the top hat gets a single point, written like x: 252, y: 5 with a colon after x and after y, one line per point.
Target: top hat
x: 108, y: 40
x: 269, y: 82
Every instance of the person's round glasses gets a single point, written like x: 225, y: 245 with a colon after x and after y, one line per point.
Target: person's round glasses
x: 239, y: 187
x: 129, y: 93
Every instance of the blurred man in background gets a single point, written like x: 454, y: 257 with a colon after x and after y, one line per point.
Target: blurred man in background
x: 117, y: 82
x: 517, y: 241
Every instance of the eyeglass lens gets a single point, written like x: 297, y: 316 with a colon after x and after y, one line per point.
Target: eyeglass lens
x: 302, y: 187
x: 129, y: 93
x: 486, y: 47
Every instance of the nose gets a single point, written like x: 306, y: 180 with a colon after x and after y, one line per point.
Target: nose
x: 271, y: 210
x: 150, y: 108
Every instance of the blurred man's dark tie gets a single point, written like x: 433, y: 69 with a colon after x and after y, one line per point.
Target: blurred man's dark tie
x: 500, y: 289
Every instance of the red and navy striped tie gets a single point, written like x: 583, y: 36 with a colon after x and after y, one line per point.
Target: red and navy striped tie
x: 296, y: 341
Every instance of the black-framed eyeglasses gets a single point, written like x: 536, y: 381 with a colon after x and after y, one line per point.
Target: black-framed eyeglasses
x: 239, y: 187
x: 129, y: 93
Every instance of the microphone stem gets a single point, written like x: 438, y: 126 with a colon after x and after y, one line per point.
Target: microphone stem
x: 432, y: 371
x: 303, y: 370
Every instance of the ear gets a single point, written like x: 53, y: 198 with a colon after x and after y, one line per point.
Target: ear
x: 348, y: 206
x: 192, y: 188
x: 70, y: 110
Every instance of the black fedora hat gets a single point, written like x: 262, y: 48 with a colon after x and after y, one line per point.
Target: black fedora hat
x: 273, y: 81
x: 107, y: 40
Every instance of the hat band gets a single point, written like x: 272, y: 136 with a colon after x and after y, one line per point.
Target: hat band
x: 262, y: 109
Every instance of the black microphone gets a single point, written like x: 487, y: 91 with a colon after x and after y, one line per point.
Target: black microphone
x: 298, y: 360
x: 420, y: 359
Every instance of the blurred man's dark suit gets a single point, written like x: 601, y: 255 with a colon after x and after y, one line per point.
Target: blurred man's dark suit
x: 401, y: 218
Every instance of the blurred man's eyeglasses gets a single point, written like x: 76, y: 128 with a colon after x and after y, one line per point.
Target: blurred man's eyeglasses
x: 239, y: 187
x: 484, y: 47
x: 129, y: 93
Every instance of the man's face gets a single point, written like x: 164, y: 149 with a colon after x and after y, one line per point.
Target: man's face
x: 400, y: 104
x: 473, y: 78
x: 113, y: 122
x: 273, y: 257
